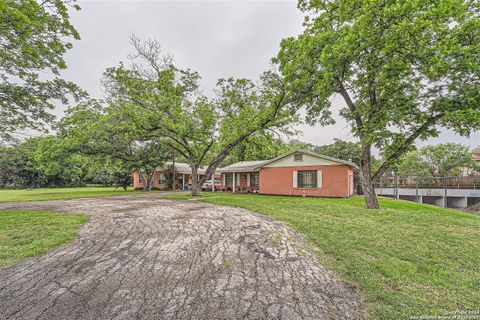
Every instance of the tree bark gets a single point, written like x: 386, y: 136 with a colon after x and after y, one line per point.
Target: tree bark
x: 150, y: 179
x: 366, y: 179
x: 174, y: 173
x: 141, y: 178
x: 195, y: 187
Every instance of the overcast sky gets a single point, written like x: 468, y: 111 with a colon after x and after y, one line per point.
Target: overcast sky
x: 217, y: 39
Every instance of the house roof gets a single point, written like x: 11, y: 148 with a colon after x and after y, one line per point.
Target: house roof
x: 476, y: 156
x: 182, y: 167
x: 256, y: 165
x: 243, y: 166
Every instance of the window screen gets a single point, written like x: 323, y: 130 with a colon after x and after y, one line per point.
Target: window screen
x: 307, y: 179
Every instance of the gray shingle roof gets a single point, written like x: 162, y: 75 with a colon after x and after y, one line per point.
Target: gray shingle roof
x: 243, y: 166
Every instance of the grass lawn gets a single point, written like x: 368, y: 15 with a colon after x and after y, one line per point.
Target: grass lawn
x: 59, y: 193
x: 25, y: 234
x: 407, y: 259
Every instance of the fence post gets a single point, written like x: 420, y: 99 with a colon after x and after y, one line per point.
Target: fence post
x: 381, y: 186
x: 445, y: 199
x: 396, y: 187
x: 416, y: 189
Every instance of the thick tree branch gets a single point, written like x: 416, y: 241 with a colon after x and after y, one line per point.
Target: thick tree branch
x: 404, y: 147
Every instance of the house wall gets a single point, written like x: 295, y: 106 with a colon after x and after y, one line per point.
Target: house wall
x: 138, y: 185
x: 337, y: 181
x: 156, y: 185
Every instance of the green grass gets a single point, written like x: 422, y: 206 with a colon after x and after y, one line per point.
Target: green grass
x: 59, y: 193
x: 407, y: 259
x: 25, y: 234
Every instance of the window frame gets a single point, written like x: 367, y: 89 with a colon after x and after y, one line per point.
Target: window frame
x: 162, y: 179
x: 301, y: 179
x: 229, y: 179
x: 256, y: 179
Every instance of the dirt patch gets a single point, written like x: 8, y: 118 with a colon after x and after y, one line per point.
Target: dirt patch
x: 144, y: 257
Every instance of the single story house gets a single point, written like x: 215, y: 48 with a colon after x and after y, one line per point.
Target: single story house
x: 296, y: 173
x: 183, y: 176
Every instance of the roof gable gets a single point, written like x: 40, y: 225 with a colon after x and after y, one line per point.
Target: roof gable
x: 309, y: 159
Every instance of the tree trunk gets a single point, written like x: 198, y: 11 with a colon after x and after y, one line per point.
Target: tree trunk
x: 141, y: 178
x: 150, y: 179
x: 366, y: 180
x: 195, y: 186
x: 174, y: 173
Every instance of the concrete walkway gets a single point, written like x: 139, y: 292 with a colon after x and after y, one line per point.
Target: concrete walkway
x: 144, y: 257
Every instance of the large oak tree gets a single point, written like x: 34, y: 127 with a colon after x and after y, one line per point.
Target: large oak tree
x: 165, y: 101
x: 404, y: 69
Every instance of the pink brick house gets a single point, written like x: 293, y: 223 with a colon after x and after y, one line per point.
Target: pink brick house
x: 296, y: 173
x: 183, y: 176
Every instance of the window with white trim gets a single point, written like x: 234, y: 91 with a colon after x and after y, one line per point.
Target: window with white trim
x: 307, y: 179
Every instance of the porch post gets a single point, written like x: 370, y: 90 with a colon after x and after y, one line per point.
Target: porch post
x: 213, y: 182
x: 183, y: 181
x: 234, y: 183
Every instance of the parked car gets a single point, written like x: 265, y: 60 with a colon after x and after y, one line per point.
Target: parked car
x: 207, y: 186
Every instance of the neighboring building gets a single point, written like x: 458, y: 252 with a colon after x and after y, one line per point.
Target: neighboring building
x: 296, y: 173
x: 471, y: 171
x: 183, y: 176
x: 476, y: 157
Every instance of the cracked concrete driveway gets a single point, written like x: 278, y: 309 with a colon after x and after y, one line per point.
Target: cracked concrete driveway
x: 145, y: 257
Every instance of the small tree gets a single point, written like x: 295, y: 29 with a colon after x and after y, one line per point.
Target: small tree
x: 345, y: 150
x: 164, y: 101
x: 404, y: 69
x: 412, y: 164
x: 448, y: 159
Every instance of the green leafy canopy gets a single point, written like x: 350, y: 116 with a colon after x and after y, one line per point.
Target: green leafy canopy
x: 403, y: 68
x: 34, y: 37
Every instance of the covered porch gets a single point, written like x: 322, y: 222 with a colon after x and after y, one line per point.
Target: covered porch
x: 184, y: 176
x: 242, y: 176
x: 240, y: 181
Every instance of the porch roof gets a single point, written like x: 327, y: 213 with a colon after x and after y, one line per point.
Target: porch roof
x: 181, y: 167
x: 243, y: 166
